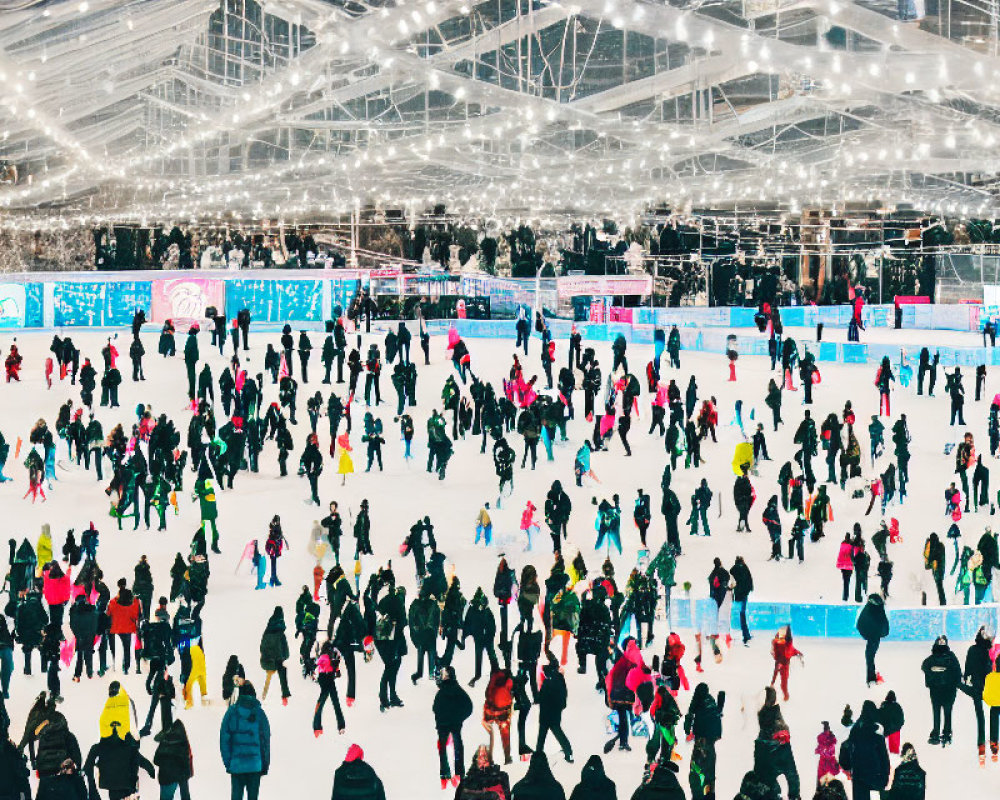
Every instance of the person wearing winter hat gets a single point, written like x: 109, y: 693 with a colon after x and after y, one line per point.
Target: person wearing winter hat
x: 355, y: 779
x: 245, y: 743
x: 909, y: 781
x: 891, y: 718
x: 452, y: 707
x: 942, y: 675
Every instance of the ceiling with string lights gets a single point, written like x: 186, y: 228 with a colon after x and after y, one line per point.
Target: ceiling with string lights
x: 184, y: 109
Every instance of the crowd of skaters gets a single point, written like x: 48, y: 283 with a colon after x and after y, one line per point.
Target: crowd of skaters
x: 521, y: 659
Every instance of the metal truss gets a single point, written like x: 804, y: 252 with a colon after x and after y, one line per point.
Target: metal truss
x: 195, y: 108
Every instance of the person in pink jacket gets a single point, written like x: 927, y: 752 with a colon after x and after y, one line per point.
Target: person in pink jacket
x: 826, y: 749
x: 659, y: 407
x: 619, y: 697
x: 56, y: 587
x: 528, y: 524
x: 845, y: 563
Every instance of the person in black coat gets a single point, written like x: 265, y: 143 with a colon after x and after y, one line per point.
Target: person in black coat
x: 909, y: 781
x: 30, y: 620
x: 83, y: 624
x: 117, y: 761
x: 594, y: 784
x: 14, y: 771
x: 552, y: 697
x: 873, y: 625
x: 355, y: 779
x: 942, y: 675
x: 864, y: 754
x: 305, y: 349
x: 661, y: 783
x: 452, y: 707
x: 538, y: 783
x: 740, y: 573
x: 482, y: 627
x: 174, y: 759
x: 977, y: 667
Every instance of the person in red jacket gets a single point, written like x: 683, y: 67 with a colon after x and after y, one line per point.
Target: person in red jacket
x: 782, y: 651
x: 497, y: 710
x: 56, y: 587
x: 124, y: 612
x: 619, y: 696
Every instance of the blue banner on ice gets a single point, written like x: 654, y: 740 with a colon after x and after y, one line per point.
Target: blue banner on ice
x: 277, y: 301
x: 99, y: 304
x: 922, y: 624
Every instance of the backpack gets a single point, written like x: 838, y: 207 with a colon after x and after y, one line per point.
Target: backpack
x: 422, y: 619
x: 385, y: 628
x: 53, y: 749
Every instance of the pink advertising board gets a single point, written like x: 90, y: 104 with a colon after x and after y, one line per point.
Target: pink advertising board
x: 185, y: 299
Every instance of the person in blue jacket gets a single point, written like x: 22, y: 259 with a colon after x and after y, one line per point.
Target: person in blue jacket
x: 245, y: 743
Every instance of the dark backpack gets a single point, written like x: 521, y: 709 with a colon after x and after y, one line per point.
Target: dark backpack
x: 53, y: 748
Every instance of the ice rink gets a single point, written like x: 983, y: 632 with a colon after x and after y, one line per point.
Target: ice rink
x: 400, y: 744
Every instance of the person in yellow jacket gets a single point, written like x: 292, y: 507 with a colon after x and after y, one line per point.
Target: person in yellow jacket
x: 991, y: 696
x: 43, y: 550
x: 118, y: 712
x: 198, y: 674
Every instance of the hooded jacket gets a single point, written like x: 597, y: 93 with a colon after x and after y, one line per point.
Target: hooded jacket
x: 942, y: 673
x: 618, y: 693
x: 538, y: 783
x: 355, y: 779
x: 274, y: 643
x: 173, y: 755
x: 869, y: 758
x: 594, y: 784
x: 872, y: 623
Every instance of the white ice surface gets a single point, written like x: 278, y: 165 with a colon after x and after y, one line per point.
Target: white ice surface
x: 400, y: 744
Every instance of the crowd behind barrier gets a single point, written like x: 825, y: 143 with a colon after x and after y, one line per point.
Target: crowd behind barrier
x: 307, y: 299
x: 913, y: 624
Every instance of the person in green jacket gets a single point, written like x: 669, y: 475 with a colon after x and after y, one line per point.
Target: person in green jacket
x: 204, y: 489
x: 663, y: 566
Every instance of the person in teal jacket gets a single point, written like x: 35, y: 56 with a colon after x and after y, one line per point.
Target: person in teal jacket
x: 245, y: 743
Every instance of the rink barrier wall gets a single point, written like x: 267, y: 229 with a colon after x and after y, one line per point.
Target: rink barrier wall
x: 108, y: 299
x: 913, y: 624
x: 306, y: 298
x: 714, y: 341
